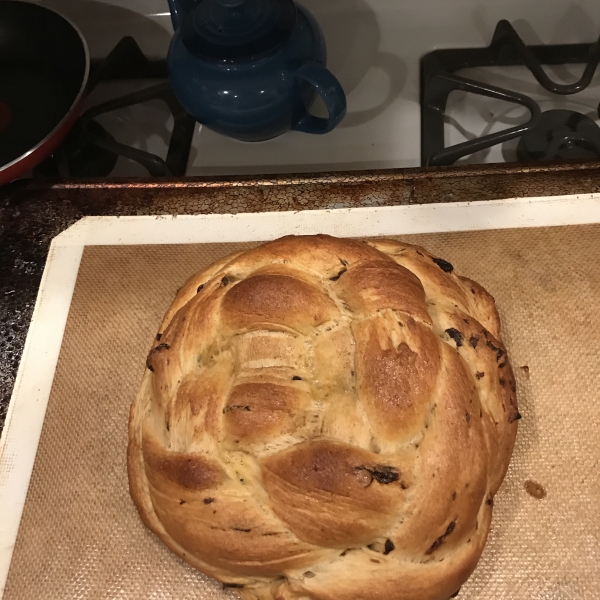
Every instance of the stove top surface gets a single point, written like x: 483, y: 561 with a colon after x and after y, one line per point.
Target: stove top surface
x: 374, y: 49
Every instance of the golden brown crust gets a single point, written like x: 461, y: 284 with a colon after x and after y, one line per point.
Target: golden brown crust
x: 379, y: 285
x: 333, y: 495
x: 325, y: 419
x: 258, y: 411
x: 396, y: 376
x: 280, y: 300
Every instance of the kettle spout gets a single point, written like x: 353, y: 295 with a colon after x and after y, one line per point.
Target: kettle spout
x: 179, y: 8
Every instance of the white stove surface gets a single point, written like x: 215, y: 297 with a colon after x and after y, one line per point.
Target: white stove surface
x: 374, y: 50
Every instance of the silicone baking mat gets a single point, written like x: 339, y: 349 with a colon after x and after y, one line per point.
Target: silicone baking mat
x: 80, y: 535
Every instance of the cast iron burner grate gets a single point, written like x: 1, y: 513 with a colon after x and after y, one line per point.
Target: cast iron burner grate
x: 550, y: 135
x: 90, y: 151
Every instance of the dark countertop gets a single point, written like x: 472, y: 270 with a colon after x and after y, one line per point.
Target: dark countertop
x: 32, y: 213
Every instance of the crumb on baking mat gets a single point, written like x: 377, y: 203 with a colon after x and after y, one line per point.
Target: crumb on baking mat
x: 535, y: 489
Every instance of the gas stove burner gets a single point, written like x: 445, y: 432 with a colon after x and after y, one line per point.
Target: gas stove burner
x: 564, y: 134
x: 89, y: 160
x: 79, y: 156
x: 555, y: 134
x: 90, y: 151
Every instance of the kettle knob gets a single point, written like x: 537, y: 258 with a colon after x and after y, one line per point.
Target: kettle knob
x: 178, y: 9
x: 233, y: 30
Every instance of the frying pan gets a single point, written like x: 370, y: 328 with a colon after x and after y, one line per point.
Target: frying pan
x: 44, y: 67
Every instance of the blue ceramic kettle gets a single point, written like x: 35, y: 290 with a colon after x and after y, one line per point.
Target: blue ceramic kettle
x: 250, y: 69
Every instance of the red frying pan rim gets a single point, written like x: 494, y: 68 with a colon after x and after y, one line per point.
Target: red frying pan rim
x: 63, y: 126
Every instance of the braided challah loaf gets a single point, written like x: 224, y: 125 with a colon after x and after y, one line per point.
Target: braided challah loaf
x: 325, y: 419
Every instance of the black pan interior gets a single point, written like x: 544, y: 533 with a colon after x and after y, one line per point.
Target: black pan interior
x: 42, y: 68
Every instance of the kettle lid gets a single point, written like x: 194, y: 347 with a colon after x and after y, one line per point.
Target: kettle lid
x: 237, y: 30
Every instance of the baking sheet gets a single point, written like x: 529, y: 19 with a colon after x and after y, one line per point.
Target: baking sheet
x: 80, y: 536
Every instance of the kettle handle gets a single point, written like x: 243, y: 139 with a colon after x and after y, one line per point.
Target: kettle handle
x: 329, y: 88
